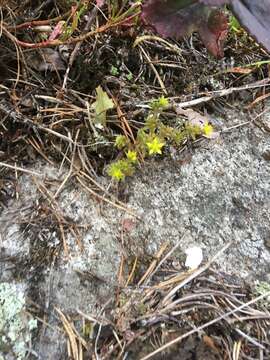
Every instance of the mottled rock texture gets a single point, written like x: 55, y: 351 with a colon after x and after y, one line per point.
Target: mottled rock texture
x: 215, y: 193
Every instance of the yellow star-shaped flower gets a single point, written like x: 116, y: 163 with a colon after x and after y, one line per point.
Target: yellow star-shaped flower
x: 208, y: 129
x: 132, y: 156
x: 116, y: 172
x: 155, y: 146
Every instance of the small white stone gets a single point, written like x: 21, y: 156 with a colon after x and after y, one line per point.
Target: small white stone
x: 194, y: 257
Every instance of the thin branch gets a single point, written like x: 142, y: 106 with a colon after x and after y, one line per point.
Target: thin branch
x: 17, y: 168
x: 221, y: 93
x: 52, y: 43
x: 200, y: 328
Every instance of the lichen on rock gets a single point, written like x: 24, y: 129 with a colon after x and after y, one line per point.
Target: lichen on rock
x: 15, y: 324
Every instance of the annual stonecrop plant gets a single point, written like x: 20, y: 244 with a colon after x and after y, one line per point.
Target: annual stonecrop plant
x: 152, y: 138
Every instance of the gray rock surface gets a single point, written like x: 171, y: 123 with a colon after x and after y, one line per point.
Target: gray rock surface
x: 217, y: 193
